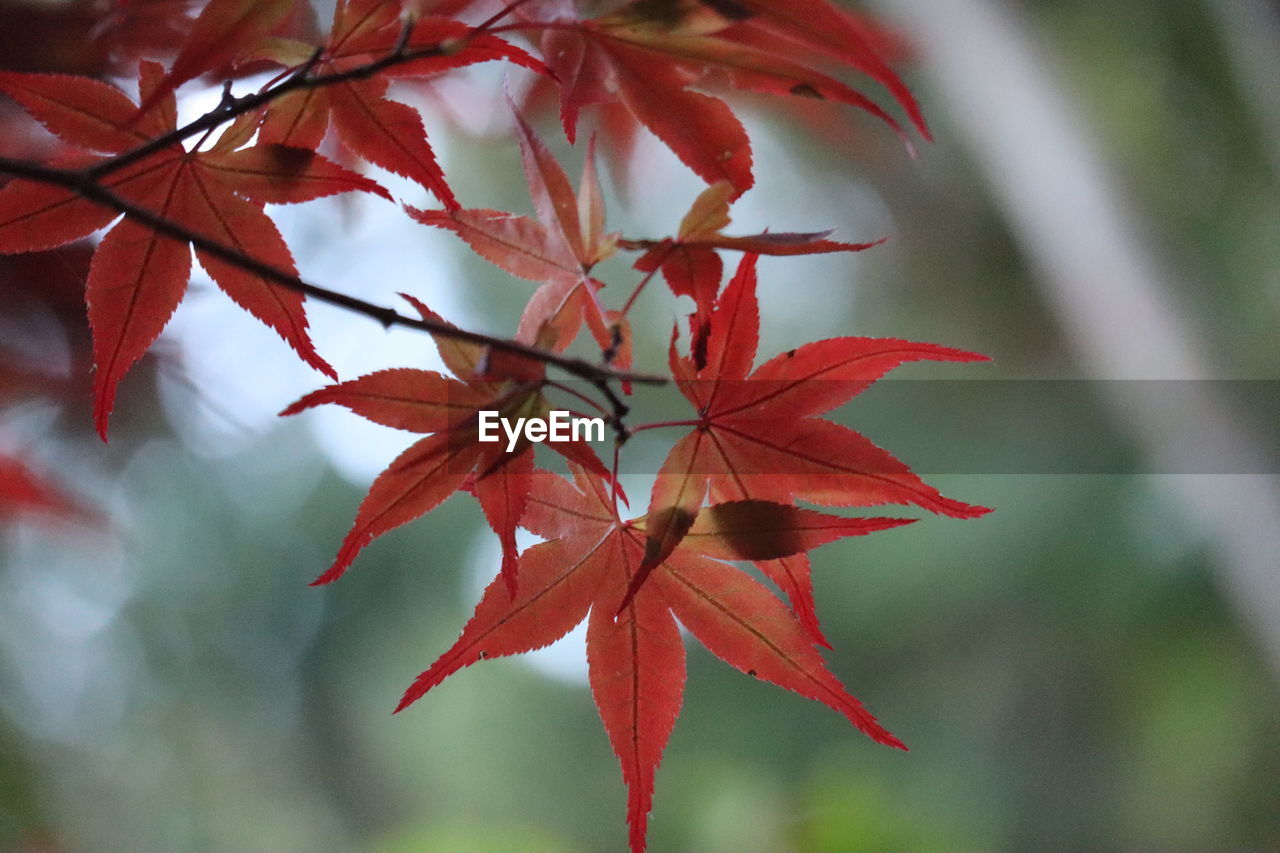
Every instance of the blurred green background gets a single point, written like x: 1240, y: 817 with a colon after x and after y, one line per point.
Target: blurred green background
x: 1092, y: 667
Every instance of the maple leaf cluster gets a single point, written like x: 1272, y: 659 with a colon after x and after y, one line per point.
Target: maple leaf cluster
x: 756, y: 453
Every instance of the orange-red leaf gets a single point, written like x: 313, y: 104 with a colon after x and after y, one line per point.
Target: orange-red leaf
x: 582, y: 68
x: 454, y: 457
x: 822, y: 462
x: 298, y: 119
x: 744, y: 625
x: 387, y: 133
x: 794, y: 576
x: 518, y: 244
x: 637, y: 675
x: 557, y: 585
x: 820, y: 376
x: 502, y: 488
x: 35, y: 217
x: 690, y: 263
x: 648, y: 54
x: 461, y: 357
x: 159, y: 111
x: 759, y: 439
x: 677, y: 496
x: 209, y: 209
x: 764, y: 530
x: 81, y: 111
x: 403, y: 398
x: 356, y: 20
x: 559, y: 509
x: 549, y: 187
x: 636, y: 661
x: 817, y: 25
x: 416, y: 482
x: 755, y: 70
x: 278, y: 174
x: 558, y: 249
x: 137, y: 277
x: 734, y: 328
x: 136, y: 280
x: 701, y: 130
x: 690, y: 270
x: 591, y: 210
x: 223, y: 30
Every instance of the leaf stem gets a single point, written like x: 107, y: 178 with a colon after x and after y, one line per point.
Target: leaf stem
x: 560, y: 386
x: 644, y: 282
x: 613, y: 479
x: 488, y: 25
x: 635, y: 294
x: 664, y: 425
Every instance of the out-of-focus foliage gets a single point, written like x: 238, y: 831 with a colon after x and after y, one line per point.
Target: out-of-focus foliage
x: 1067, y: 672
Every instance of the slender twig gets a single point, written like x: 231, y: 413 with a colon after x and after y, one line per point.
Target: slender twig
x: 88, y: 188
x: 620, y: 409
x: 499, y: 15
x: 613, y: 481
x: 664, y: 425
x: 87, y: 184
x: 644, y: 282
x: 406, y: 33
x: 301, y: 79
x: 640, y: 245
x: 560, y: 386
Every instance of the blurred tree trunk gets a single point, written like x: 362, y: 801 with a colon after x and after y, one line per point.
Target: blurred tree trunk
x: 1068, y: 211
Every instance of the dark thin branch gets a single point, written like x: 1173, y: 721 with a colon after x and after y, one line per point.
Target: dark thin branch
x: 620, y: 409
x: 85, y: 186
x: 499, y: 15
x: 232, y: 108
x: 406, y: 33
x: 573, y: 392
x: 639, y: 245
x: 312, y: 61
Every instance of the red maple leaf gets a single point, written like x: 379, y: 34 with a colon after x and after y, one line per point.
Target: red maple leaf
x: 637, y: 661
x: 690, y: 261
x: 558, y: 249
x: 385, y: 132
x: 758, y: 434
x: 451, y: 456
x: 222, y: 31
x: 649, y: 53
x: 138, y: 276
